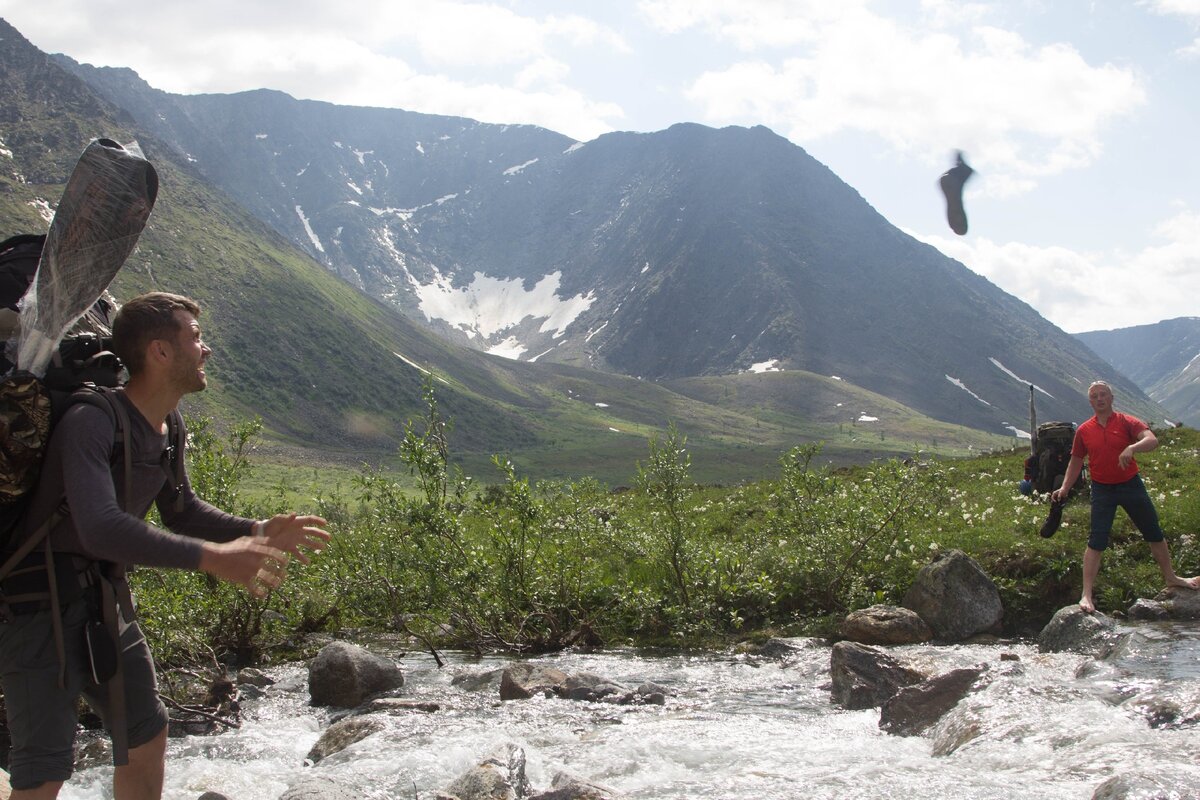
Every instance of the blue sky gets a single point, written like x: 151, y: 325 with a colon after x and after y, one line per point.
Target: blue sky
x: 1082, y: 119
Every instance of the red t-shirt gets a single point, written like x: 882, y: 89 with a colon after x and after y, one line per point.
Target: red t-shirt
x: 1103, y: 444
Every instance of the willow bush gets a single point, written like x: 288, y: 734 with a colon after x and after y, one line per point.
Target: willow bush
x: 534, y: 567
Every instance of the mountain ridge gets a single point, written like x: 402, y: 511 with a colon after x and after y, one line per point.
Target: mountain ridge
x: 1162, y: 358
x: 337, y: 375
x: 681, y: 253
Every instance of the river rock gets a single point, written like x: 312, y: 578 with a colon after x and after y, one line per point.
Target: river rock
x: 958, y: 727
x: 343, y: 733
x: 476, y: 680
x: 914, y: 709
x: 396, y: 705
x: 773, y: 648
x: 570, y: 787
x: 500, y: 776
x: 319, y: 787
x: 864, y: 677
x: 1180, y: 603
x: 885, y: 625
x: 5, y: 789
x: 212, y: 796
x: 92, y: 749
x: 1172, y: 784
x: 955, y: 597
x: 344, y: 675
x: 523, y: 680
x: 254, y: 677
x: 1144, y: 610
x: 1073, y: 630
x: 590, y: 687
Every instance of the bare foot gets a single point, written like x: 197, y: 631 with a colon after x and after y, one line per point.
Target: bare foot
x: 1087, y: 605
x: 1185, y: 583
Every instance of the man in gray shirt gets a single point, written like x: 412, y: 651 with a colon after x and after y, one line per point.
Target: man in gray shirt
x: 157, y: 336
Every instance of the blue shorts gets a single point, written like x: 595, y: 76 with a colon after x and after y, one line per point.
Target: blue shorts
x: 1131, y: 496
x: 41, y: 716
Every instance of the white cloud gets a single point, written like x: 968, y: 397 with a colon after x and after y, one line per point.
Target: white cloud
x: 1083, y: 291
x: 478, y: 60
x: 1028, y: 111
x: 1187, y: 8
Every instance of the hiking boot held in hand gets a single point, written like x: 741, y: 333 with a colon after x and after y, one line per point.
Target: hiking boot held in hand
x: 952, y: 186
x: 1053, y: 519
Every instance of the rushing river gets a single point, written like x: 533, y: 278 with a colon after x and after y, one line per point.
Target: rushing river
x: 739, y: 727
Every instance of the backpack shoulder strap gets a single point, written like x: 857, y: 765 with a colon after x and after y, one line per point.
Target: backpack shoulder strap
x: 106, y: 399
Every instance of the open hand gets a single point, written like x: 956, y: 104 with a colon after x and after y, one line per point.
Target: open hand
x: 294, y: 534
x: 247, y: 561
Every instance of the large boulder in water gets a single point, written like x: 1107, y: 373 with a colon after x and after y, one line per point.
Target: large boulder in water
x: 914, y: 709
x: 885, y: 625
x: 343, y: 733
x: 864, y: 677
x: 522, y: 680
x: 344, y: 675
x: 1073, y: 630
x: 955, y: 597
x: 500, y: 776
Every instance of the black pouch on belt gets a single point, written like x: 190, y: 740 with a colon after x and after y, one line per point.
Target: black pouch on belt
x: 102, y: 651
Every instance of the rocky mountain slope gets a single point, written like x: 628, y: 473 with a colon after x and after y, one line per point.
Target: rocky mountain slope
x: 1163, y: 359
x: 684, y: 253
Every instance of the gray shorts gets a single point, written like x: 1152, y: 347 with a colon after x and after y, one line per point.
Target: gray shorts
x: 42, y: 717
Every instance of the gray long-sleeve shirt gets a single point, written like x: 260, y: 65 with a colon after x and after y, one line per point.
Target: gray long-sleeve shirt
x: 78, y: 467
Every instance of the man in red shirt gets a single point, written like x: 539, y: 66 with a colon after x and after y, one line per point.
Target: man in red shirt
x: 1109, y: 440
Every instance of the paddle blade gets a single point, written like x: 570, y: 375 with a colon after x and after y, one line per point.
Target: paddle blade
x: 103, y: 211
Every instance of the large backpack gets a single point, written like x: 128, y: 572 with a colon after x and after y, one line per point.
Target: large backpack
x: 31, y: 406
x: 1052, y: 452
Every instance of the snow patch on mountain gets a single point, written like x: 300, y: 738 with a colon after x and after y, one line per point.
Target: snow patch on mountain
x: 963, y: 386
x: 4, y: 151
x: 592, y: 333
x: 996, y: 363
x: 772, y: 365
x: 520, y: 167
x: 573, y: 148
x: 508, y: 348
x: 867, y: 418
x: 312, y: 236
x: 260, y: 136
x: 488, y: 305
x: 1017, y: 432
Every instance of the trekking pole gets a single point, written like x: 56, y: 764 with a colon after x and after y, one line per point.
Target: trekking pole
x: 1032, y: 424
